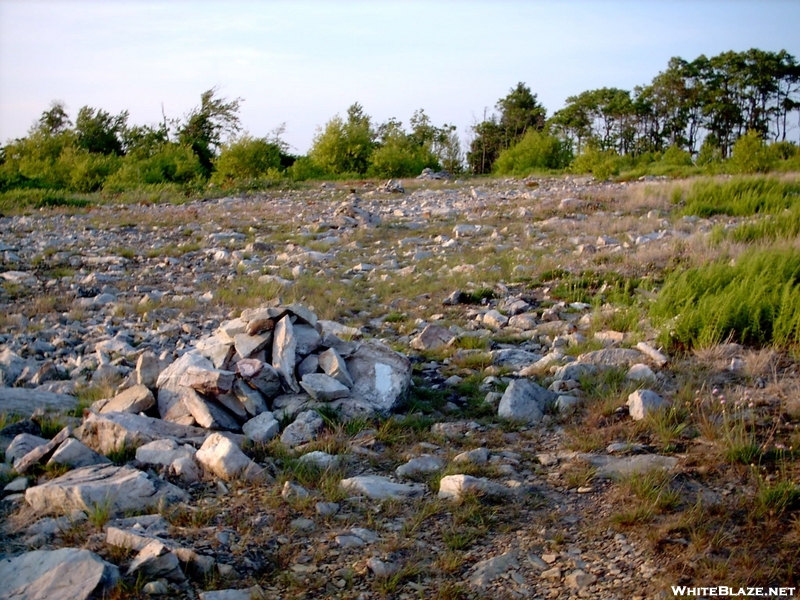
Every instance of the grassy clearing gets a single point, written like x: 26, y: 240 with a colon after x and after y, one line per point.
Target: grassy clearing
x: 754, y: 301
x: 741, y: 197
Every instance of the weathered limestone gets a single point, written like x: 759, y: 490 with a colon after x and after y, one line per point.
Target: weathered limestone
x: 381, y: 376
x: 382, y: 488
x: 224, y: 459
x: 114, y: 431
x: 284, y: 347
x: 121, y: 488
x: 261, y: 428
x: 323, y: 387
x: 25, y: 402
x: 524, y: 400
x: 63, y: 574
x: 135, y: 399
x: 643, y: 402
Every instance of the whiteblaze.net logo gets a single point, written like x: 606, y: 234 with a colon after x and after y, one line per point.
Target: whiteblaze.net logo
x: 734, y: 592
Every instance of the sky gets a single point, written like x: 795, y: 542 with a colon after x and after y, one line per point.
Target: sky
x: 299, y: 63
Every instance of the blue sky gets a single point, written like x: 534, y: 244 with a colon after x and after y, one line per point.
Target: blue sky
x: 300, y: 62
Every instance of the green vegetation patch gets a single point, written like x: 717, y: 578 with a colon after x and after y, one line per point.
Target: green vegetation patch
x: 741, y: 197
x: 754, y: 301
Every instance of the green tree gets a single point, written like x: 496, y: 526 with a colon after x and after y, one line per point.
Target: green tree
x: 205, y: 125
x: 537, y: 151
x: 344, y: 146
x: 100, y: 132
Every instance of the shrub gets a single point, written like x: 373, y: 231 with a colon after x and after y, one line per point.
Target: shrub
x: 675, y: 156
x: 755, y: 301
x: 172, y: 164
x: 752, y: 155
x: 603, y: 164
x: 245, y: 159
x: 399, y: 156
x: 535, y: 152
x: 305, y: 168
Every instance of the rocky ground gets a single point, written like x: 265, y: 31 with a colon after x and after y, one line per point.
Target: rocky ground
x: 210, y: 397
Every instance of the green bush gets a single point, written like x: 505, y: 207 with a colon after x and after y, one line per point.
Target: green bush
x: 305, y: 168
x: 677, y: 157
x: 603, y: 164
x: 756, y: 300
x: 399, y: 156
x: 172, y: 164
x: 536, y: 151
x: 752, y: 155
x: 245, y: 159
x: 20, y: 199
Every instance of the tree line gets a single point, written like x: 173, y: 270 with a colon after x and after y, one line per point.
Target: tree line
x: 693, y: 113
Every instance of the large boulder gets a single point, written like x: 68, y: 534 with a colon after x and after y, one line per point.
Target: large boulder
x: 171, y: 392
x: 381, y: 376
x: 115, y: 431
x: 63, y: 574
x: 119, y: 488
x: 22, y: 401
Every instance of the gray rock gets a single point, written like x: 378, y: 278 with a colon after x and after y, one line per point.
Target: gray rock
x: 64, y: 574
x: 251, y: 399
x: 224, y: 459
x: 495, y: 319
x: 381, y: 488
x: 261, y: 428
x: 21, y: 445
x: 574, y: 371
x: 611, y: 357
x: 478, y: 456
x: 170, y: 391
x: 579, y: 579
x: 121, y: 488
x: 217, y: 348
x: 231, y: 403
x: 422, y: 465
x: 75, y: 455
x: 566, y: 404
x: 323, y: 387
x: 246, y: 345
x: 135, y: 399
x: 657, y: 357
x: 643, y: 402
x: 11, y: 367
x: 284, y: 346
x: 613, y: 467
x: 432, y: 337
x: 246, y: 594
x: 491, y: 568
x: 381, y: 376
x: 334, y: 365
x: 207, y: 381
x: 514, y: 358
x: 207, y: 413
x: 154, y: 561
x: 310, y: 364
x: 308, y: 339
x: 321, y: 460
x: 148, y: 368
x: 453, y: 487
x: 261, y: 376
x: 114, y: 431
x: 25, y: 402
x: 163, y: 453
x: 304, y: 429
x: 641, y: 372
x: 39, y: 453
x: 524, y: 400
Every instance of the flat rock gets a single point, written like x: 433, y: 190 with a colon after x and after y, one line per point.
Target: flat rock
x: 611, y: 357
x: 21, y: 445
x: 135, y: 399
x: 63, y: 574
x: 163, y: 453
x: 39, y: 453
x: 422, y: 465
x: 613, y: 467
x: 114, y: 431
x: 453, y: 487
x: 514, y: 358
x: 261, y: 376
x: 308, y: 339
x: 323, y: 387
x: 75, y: 455
x: 491, y: 568
x: 246, y: 345
x: 122, y: 488
x: 207, y: 413
x: 154, y: 561
x: 382, y: 488
x: 217, y: 348
x: 207, y: 381
x: 284, y: 347
x: 22, y: 401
